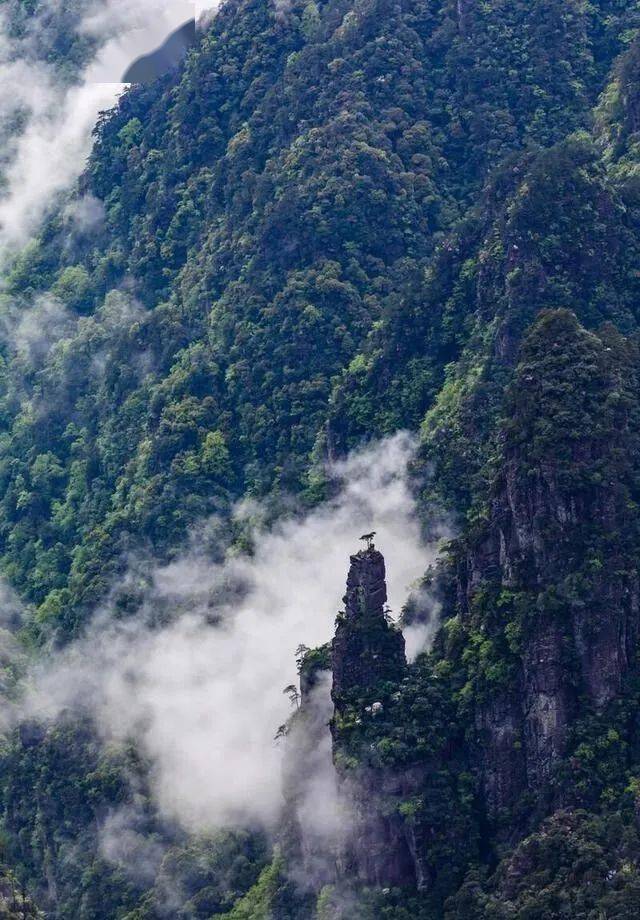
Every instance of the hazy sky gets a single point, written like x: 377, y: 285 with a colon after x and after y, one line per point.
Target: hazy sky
x: 144, y: 26
x: 51, y: 151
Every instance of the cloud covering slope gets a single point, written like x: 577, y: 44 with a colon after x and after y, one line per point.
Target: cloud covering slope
x: 203, y: 693
x: 46, y: 155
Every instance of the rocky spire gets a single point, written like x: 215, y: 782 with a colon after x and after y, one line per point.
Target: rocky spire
x: 368, y: 663
x: 367, y: 649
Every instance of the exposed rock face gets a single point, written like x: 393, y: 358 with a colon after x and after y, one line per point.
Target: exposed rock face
x: 379, y: 848
x: 586, y: 651
x: 392, y: 755
x: 366, y: 649
x: 501, y: 756
x: 558, y: 537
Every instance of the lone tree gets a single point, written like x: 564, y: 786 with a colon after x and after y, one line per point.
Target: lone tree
x: 369, y: 538
x: 294, y: 695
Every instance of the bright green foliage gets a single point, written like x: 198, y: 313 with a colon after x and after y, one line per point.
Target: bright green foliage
x: 273, y: 209
x: 273, y: 895
x: 336, y: 220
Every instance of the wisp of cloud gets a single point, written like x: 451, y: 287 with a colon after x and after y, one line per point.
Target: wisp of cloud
x: 202, y: 695
x: 46, y: 154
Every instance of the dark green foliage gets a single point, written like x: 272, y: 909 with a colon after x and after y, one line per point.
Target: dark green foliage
x: 51, y: 34
x: 274, y: 208
x: 334, y: 222
x: 58, y: 784
x: 205, y: 876
x: 61, y: 789
x: 576, y: 865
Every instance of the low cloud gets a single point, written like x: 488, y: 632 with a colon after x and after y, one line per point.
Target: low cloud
x: 124, y: 840
x: 420, y: 633
x: 46, y: 125
x: 48, y: 155
x: 12, y: 656
x: 322, y: 815
x: 29, y: 332
x: 46, y: 117
x: 202, y: 694
x: 84, y: 215
x: 130, y: 30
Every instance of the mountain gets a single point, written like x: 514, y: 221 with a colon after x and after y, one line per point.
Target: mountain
x: 336, y: 221
x: 149, y: 67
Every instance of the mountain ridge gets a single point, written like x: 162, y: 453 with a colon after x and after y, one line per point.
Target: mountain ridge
x: 336, y: 221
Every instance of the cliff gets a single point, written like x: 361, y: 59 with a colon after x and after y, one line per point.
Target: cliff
x: 525, y: 705
x: 558, y: 554
x: 335, y: 221
x: 367, y: 661
x: 397, y: 753
x: 367, y: 649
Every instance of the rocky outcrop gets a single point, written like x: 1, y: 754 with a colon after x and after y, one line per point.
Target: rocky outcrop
x: 388, y: 804
x: 343, y: 823
x: 366, y: 649
x: 367, y: 658
x: 559, y: 538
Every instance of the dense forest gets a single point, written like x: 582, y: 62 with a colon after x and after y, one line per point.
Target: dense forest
x: 336, y: 221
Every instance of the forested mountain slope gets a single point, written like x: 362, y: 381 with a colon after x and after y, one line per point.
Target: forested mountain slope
x: 266, y: 211
x: 336, y: 221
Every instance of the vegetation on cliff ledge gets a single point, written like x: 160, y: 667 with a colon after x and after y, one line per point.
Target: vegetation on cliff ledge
x: 338, y: 220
